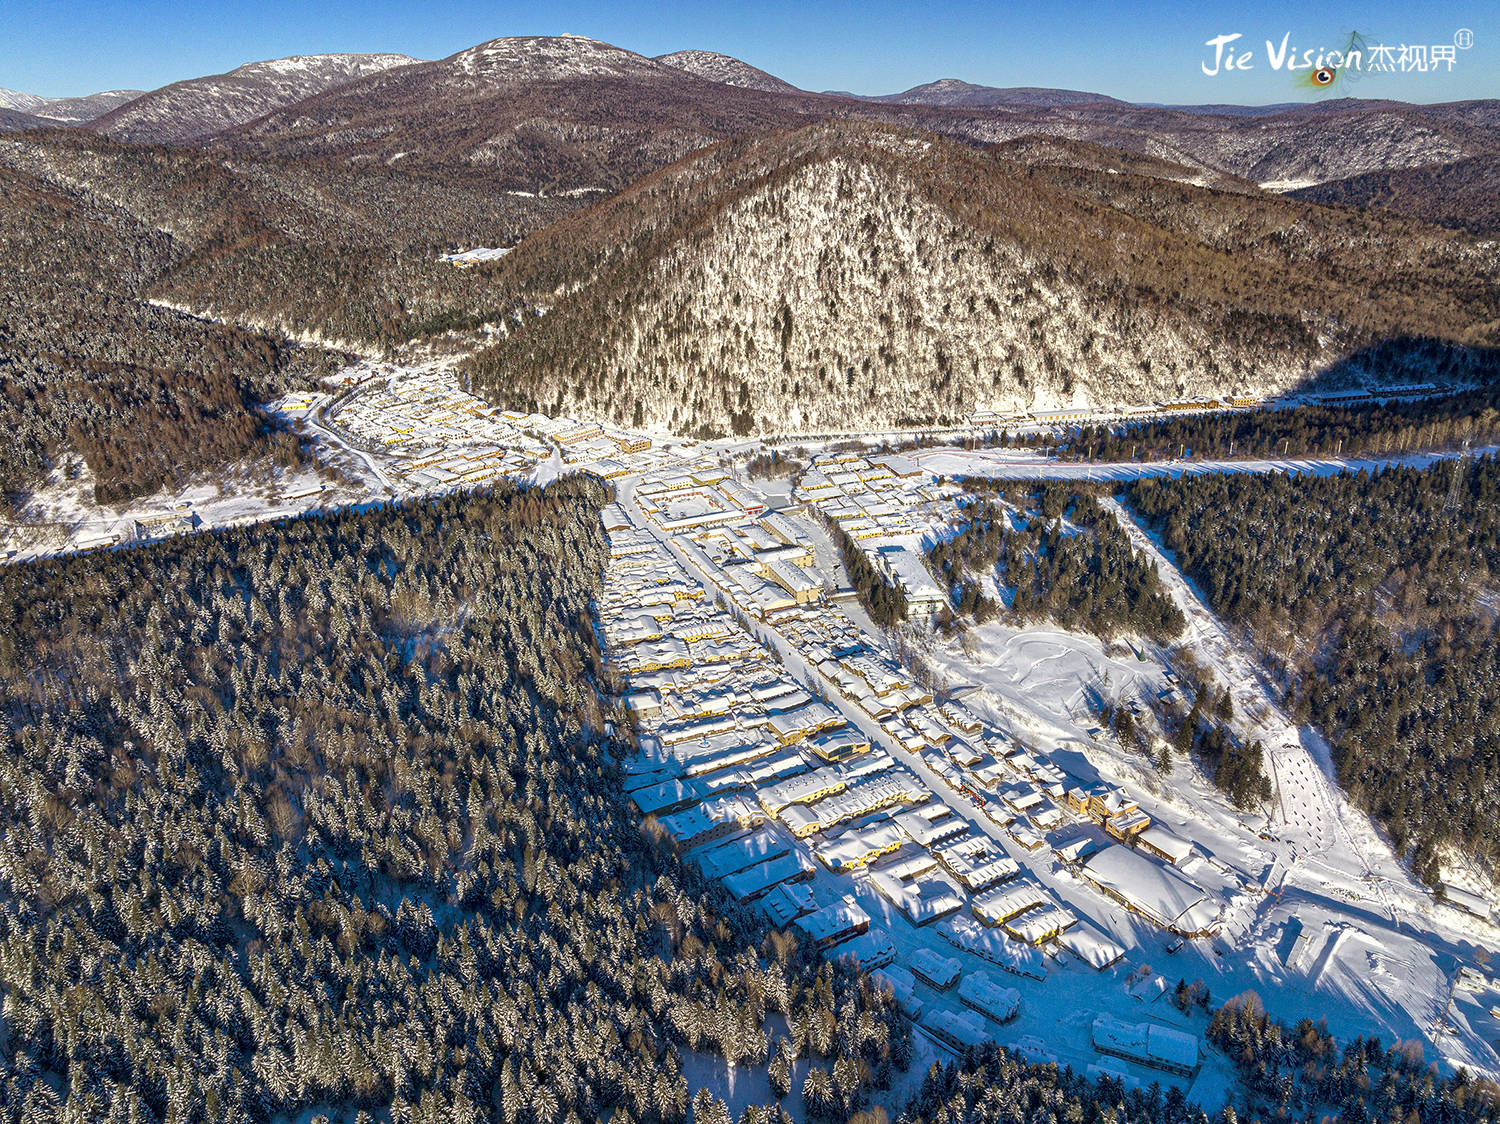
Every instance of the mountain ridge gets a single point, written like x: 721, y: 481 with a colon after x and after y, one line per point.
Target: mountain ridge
x: 727, y: 69
x: 957, y: 92
x: 554, y: 113
x: 76, y: 111
x: 195, y: 108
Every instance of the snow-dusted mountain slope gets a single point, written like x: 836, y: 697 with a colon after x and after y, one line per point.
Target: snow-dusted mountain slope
x: 843, y: 276
x: 198, y: 107
x: 75, y: 111
x: 24, y: 103
x: 548, y: 114
x: 726, y: 69
x: 955, y: 91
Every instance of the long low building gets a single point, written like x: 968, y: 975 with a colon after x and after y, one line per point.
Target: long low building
x: 1166, y: 845
x: 869, y: 795
x: 860, y: 847
x: 729, y: 856
x: 1041, y: 924
x: 932, y: 824
x: 924, y: 899
x: 1150, y: 1044
x: 935, y: 969
x: 961, y: 1030
x: 968, y: 935
x: 1005, y: 903
x: 869, y: 950
x: 978, y: 863
x: 756, y: 880
x: 1157, y: 892
x: 805, y: 789
x: 710, y: 820
x: 832, y: 923
x: 1092, y: 947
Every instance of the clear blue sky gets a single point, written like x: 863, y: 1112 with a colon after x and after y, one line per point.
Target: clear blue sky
x: 1138, y: 52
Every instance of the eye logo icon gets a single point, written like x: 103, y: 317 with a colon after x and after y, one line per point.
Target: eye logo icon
x: 1323, y: 76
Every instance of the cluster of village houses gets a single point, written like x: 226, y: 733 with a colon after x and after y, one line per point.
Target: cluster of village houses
x: 784, y: 752
x: 440, y: 436
x: 886, y: 504
x: 788, y: 753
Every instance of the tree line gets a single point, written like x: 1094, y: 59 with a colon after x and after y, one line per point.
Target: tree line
x: 1469, y: 418
x: 881, y: 598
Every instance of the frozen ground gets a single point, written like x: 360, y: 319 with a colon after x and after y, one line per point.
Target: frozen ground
x: 60, y: 515
x: 1390, y: 952
x: 1397, y: 951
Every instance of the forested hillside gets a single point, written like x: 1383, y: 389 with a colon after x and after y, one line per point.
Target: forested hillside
x: 309, y: 248
x: 844, y: 276
x: 1461, y: 194
x: 321, y: 818
x: 95, y: 232
x: 1299, y: 1072
x: 1374, y: 594
x: 1292, y: 1074
x: 147, y: 395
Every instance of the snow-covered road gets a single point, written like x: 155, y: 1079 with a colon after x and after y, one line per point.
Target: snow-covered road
x: 1023, y: 464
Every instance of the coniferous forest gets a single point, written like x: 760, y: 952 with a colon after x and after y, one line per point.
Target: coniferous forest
x: 1064, y: 556
x: 320, y: 820
x: 881, y: 598
x: 1452, y: 421
x: 1371, y: 595
x: 1291, y: 1074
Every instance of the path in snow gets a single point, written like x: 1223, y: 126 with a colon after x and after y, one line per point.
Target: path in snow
x: 1313, y: 812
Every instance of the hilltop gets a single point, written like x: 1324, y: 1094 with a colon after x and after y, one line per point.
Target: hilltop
x: 850, y: 276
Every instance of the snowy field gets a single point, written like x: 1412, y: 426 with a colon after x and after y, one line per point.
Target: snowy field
x: 475, y: 256
x: 61, y: 515
x: 1315, y: 914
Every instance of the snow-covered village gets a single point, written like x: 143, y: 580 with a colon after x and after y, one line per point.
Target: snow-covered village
x: 956, y: 813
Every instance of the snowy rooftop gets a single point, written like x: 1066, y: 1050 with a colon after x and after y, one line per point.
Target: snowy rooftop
x: 1156, y: 890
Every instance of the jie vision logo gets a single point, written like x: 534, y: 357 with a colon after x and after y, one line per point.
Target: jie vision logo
x: 1322, y: 67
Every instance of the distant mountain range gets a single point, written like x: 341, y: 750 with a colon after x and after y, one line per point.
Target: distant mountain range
x: 66, y: 111
x: 197, y: 108
x: 557, y: 114
x: 715, y: 250
x: 952, y: 91
x: 15, y: 99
